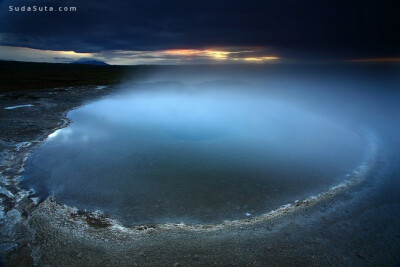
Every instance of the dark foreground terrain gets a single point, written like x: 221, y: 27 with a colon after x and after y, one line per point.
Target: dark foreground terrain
x: 359, y: 226
x: 19, y: 76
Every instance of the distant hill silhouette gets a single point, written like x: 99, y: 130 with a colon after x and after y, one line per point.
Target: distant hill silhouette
x: 86, y: 61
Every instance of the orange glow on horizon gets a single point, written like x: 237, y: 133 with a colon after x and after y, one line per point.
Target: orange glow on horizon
x: 183, y: 52
x: 259, y: 59
x: 379, y: 59
x: 217, y: 54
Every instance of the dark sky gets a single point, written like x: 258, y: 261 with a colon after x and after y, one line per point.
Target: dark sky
x: 325, y: 29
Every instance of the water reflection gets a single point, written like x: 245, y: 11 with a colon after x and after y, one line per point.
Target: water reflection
x: 192, y: 152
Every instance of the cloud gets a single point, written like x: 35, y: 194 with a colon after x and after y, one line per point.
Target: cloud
x: 297, y: 29
x: 126, y: 57
x: 37, y: 55
x: 188, y: 56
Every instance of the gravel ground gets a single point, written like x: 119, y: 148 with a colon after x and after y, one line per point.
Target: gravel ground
x: 359, y: 226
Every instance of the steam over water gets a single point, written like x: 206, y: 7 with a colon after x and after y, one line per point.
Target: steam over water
x: 207, y: 144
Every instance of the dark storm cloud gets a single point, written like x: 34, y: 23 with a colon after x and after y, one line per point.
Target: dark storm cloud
x: 294, y: 28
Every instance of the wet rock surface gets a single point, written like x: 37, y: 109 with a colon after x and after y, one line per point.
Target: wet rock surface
x: 26, y: 119
x: 359, y: 226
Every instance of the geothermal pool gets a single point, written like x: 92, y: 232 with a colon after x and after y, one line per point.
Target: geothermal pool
x: 179, y: 153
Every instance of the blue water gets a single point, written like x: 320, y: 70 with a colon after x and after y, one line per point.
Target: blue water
x: 193, y: 152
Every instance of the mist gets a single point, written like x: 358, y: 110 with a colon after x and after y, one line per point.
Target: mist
x: 199, y: 144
